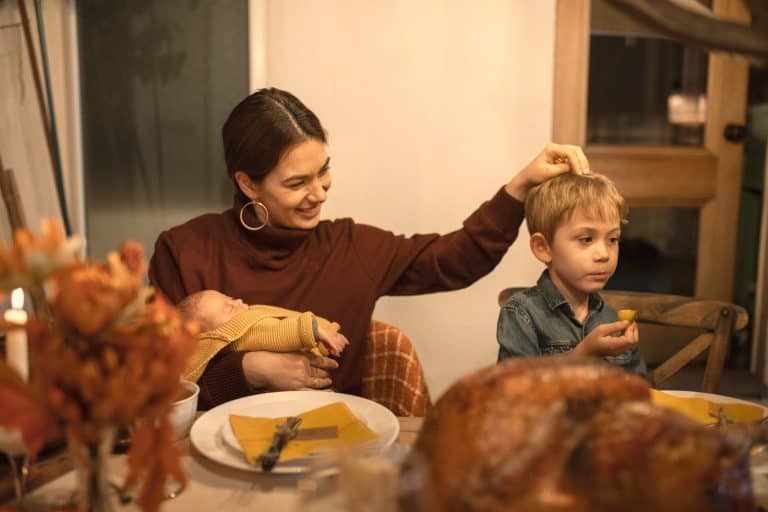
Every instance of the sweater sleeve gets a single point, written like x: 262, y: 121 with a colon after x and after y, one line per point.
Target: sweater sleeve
x: 274, y: 330
x: 164, y: 271
x: 223, y: 380
x: 279, y: 334
x: 400, y: 265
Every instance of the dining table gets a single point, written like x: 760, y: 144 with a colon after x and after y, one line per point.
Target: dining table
x: 210, y: 486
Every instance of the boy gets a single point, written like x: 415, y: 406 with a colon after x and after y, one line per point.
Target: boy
x: 575, y: 225
x: 230, y: 324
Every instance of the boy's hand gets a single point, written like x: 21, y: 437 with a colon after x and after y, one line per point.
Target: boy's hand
x: 334, y: 341
x: 609, y: 339
x: 553, y: 160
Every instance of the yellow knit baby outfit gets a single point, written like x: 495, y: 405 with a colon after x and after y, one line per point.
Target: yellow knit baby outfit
x: 260, y: 328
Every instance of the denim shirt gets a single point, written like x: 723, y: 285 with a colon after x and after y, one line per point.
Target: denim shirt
x: 540, y: 322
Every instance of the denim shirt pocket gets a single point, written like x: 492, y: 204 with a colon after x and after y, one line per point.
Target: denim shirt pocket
x: 553, y: 347
x: 621, y: 359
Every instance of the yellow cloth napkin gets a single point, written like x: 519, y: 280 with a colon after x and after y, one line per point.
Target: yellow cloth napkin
x: 255, y: 434
x: 699, y: 409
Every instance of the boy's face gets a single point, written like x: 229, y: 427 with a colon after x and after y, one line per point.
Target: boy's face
x: 583, y: 253
x: 215, y: 308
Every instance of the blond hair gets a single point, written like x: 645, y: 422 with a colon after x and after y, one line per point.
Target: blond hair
x: 189, y: 307
x: 551, y: 203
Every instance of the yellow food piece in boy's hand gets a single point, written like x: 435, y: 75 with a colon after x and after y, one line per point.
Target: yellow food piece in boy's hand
x: 630, y: 315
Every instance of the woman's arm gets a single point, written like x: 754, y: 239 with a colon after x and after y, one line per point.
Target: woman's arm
x: 238, y: 374
x: 399, y: 265
x: 280, y: 372
x: 426, y: 263
x: 223, y: 380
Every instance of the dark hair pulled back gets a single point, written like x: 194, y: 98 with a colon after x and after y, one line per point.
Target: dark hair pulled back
x: 262, y: 127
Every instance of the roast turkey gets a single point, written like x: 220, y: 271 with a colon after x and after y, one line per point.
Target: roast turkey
x: 562, y: 434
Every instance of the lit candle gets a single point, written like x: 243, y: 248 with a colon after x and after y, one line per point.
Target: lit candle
x: 16, y: 338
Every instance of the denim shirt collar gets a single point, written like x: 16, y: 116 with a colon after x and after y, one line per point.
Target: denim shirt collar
x: 555, y: 299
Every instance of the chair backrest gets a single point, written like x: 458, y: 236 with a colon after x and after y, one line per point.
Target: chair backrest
x: 392, y: 373
x: 712, y: 323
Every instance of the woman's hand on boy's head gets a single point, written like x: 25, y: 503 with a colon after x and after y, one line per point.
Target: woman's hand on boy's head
x: 553, y: 160
x: 609, y: 339
x: 334, y: 341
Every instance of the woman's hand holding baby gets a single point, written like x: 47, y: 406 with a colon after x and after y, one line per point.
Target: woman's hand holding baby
x: 287, y: 371
x: 610, y: 339
x: 334, y: 341
x: 553, y: 160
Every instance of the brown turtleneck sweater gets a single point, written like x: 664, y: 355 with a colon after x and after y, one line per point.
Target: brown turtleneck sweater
x: 337, y: 270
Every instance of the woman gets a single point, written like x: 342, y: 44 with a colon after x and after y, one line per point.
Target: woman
x: 272, y: 248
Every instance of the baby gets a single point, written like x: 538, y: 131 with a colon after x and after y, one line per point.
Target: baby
x: 575, y: 225
x: 230, y: 324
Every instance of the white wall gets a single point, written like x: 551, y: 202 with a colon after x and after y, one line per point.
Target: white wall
x: 431, y: 106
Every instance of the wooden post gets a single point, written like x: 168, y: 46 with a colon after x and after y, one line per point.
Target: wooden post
x: 718, y: 351
x: 760, y: 316
x: 10, y: 193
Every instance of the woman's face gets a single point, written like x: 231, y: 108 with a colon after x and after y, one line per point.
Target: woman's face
x: 295, y: 190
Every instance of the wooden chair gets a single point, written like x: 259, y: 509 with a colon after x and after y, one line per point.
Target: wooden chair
x: 392, y: 373
x: 698, y: 324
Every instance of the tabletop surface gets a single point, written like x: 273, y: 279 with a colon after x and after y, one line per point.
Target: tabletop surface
x: 211, y: 486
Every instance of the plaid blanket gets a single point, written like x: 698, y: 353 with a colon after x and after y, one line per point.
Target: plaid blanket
x: 392, y: 374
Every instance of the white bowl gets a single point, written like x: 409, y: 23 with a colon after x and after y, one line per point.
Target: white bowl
x: 183, y: 412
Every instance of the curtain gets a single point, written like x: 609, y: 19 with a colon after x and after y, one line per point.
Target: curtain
x: 22, y: 135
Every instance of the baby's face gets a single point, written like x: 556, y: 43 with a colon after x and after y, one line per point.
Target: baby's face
x: 215, y: 308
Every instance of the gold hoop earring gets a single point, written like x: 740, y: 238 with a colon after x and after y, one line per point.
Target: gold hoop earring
x: 256, y: 204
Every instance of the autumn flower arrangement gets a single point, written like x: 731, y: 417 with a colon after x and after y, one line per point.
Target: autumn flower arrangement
x: 106, y: 352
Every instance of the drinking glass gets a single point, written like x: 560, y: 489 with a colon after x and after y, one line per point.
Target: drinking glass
x: 366, y: 479
x: 12, y: 446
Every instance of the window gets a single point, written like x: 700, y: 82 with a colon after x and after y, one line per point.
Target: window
x: 158, y: 79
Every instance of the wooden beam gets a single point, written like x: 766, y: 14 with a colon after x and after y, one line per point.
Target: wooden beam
x: 757, y: 362
x: 718, y: 223
x: 718, y: 350
x: 569, y: 120
x: 694, y: 27
x: 681, y: 358
x: 677, y: 310
x: 658, y: 176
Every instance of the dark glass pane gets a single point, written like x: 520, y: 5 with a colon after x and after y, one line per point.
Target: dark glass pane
x: 643, y: 89
x: 158, y: 79
x: 658, y: 251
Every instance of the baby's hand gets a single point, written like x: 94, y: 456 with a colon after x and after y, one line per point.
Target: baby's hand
x: 609, y: 339
x: 334, y: 341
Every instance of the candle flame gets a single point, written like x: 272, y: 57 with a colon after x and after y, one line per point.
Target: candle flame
x: 17, y: 298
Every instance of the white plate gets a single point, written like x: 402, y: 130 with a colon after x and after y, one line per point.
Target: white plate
x: 208, y: 430
x: 713, y: 398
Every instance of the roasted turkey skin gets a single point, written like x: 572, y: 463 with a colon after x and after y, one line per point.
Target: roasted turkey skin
x: 562, y: 434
